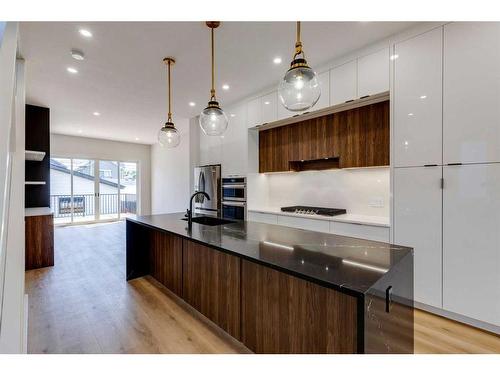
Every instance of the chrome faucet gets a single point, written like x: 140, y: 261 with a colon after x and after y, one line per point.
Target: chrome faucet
x: 189, y: 213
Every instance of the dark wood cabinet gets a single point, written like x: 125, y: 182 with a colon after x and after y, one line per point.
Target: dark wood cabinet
x: 165, y: 260
x: 39, y: 241
x: 211, y: 284
x: 284, y: 314
x: 354, y: 138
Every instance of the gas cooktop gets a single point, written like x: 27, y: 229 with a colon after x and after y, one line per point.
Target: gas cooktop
x: 314, y: 210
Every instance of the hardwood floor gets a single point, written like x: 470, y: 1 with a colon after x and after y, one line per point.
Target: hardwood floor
x: 84, y: 305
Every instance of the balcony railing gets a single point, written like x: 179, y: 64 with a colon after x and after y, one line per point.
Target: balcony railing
x: 82, y: 205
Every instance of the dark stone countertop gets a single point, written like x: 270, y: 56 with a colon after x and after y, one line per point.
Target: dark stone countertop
x: 347, y: 264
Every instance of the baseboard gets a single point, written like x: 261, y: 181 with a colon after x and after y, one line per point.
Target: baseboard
x: 25, y: 328
x: 459, y: 318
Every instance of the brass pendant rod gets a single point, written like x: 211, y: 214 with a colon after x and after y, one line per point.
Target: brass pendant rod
x: 212, y: 91
x: 169, y: 116
x: 298, y: 43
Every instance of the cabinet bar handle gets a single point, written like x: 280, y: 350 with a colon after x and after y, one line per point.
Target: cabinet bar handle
x: 454, y: 164
x: 388, y: 299
x: 348, y: 101
x: 365, y: 96
x: 430, y: 165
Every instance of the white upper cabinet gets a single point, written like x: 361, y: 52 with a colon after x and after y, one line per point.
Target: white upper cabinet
x: 471, y: 241
x: 471, y: 108
x: 324, y: 99
x: 417, y: 223
x: 373, y: 73
x: 234, y: 143
x: 418, y: 100
x: 254, y: 113
x: 269, y: 105
x: 210, y: 149
x: 343, y: 83
x: 283, y: 112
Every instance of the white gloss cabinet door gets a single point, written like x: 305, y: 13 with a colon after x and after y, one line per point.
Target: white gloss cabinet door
x: 471, y: 108
x: 234, y: 143
x: 343, y: 83
x: 262, y: 217
x: 303, y: 223
x: 471, y: 241
x: 254, y: 113
x: 269, y: 105
x: 373, y: 73
x: 417, y: 223
x: 324, y: 99
x: 418, y: 100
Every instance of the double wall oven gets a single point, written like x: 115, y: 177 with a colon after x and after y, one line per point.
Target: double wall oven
x: 234, y: 198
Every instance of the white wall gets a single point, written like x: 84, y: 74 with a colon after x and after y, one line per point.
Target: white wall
x: 360, y: 191
x: 12, y: 324
x: 170, y: 173
x: 91, y: 148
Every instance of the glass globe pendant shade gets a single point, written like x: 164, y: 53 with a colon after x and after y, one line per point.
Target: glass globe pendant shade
x: 213, y: 120
x: 299, y: 89
x: 169, y: 136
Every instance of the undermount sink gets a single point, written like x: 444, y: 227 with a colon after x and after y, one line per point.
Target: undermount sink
x: 209, y: 220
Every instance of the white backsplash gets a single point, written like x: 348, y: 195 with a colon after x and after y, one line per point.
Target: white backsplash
x: 363, y: 191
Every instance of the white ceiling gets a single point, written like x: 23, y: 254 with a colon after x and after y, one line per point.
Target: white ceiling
x: 124, y: 79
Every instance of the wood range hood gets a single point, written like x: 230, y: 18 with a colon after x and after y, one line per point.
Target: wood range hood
x: 350, y: 135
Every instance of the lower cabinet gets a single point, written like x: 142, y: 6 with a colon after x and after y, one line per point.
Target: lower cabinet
x: 262, y: 217
x: 471, y: 241
x: 284, y: 314
x: 165, y: 260
x: 302, y: 223
x: 367, y: 232
x: 39, y: 241
x: 211, y: 284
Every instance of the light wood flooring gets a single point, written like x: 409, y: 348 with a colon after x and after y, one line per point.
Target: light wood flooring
x: 84, y: 305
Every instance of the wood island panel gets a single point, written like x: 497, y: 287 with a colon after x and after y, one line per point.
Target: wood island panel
x: 165, y: 260
x: 284, y: 314
x: 211, y: 284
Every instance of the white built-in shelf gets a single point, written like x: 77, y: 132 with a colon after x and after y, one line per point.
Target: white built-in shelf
x: 34, y: 155
x: 34, y: 182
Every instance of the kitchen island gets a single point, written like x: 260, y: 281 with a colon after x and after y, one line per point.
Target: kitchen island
x: 279, y: 289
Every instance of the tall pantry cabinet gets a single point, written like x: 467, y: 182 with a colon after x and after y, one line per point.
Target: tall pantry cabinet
x: 446, y: 181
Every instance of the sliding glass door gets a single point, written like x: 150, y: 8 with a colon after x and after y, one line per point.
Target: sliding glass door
x: 109, y: 183
x: 85, y: 190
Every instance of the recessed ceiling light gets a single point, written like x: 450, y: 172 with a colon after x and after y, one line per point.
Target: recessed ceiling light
x: 192, y: 104
x: 80, y: 131
x: 96, y: 114
x: 232, y: 115
x: 77, y: 55
x: 267, y: 102
x: 86, y: 33
x: 410, y: 114
x: 136, y: 138
x: 394, y: 57
x: 423, y: 96
x: 71, y: 70
x: 225, y: 86
x: 277, y: 60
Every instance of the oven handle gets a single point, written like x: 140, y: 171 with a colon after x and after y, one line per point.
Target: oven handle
x: 239, y: 204
x: 236, y: 186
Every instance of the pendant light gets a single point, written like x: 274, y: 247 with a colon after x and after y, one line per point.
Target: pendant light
x: 213, y: 120
x: 299, y: 89
x: 169, y: 136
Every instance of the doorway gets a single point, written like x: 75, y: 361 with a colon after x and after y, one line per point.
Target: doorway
x: 91, y: 190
